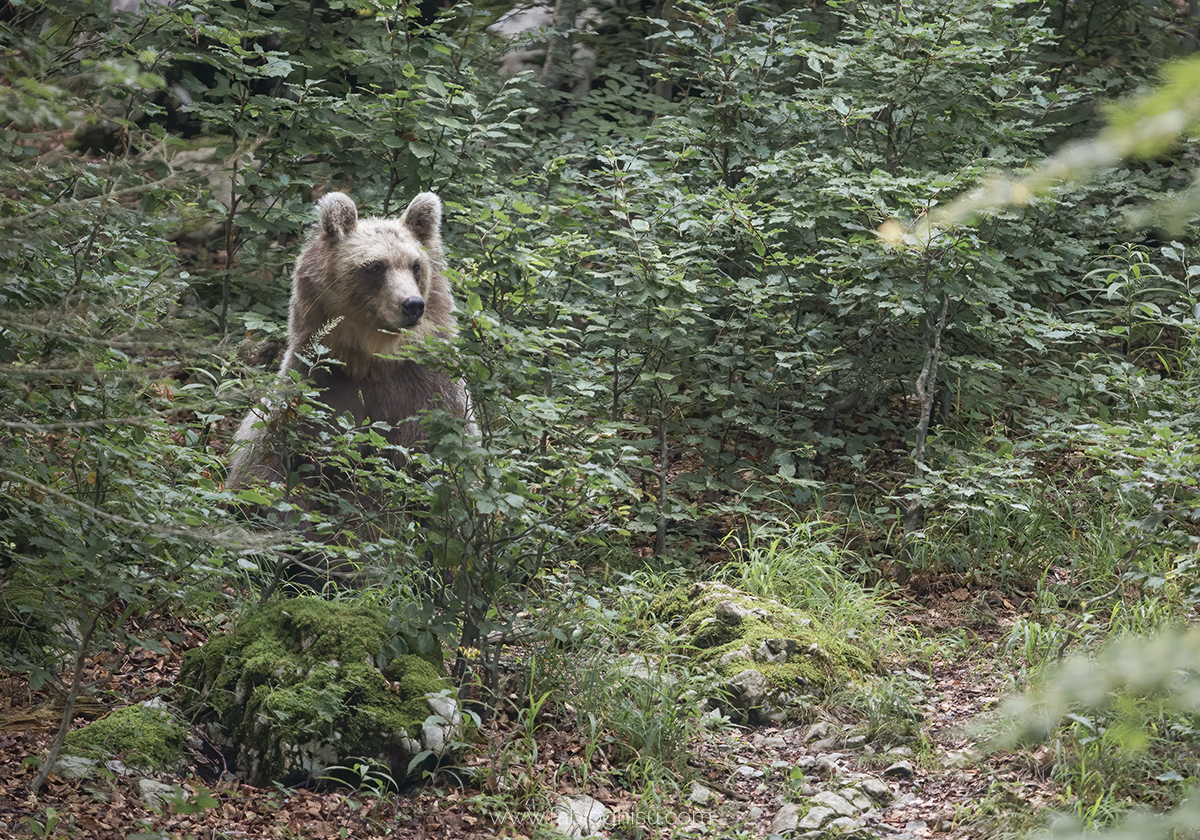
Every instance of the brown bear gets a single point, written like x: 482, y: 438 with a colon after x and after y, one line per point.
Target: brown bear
x: 361, y: 288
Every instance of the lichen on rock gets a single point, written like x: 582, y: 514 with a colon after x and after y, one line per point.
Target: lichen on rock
x: 304, y: 685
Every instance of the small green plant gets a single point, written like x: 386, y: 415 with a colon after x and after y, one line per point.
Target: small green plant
x: 48, y: 825
x: 884, y: 710
x: 370, y: 778
x: 802, y: 567
x: 1120, y: 722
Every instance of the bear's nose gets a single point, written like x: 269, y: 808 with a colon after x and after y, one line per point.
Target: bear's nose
x: 413, y: 308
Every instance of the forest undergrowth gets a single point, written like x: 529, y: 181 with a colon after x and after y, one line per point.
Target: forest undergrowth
x: 881, y: 321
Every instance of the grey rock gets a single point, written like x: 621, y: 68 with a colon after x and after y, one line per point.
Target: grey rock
x: 700, y: 795
x: 315, y: 756
x: 118, y: 768
x: 786, y: 819
x: 748, y: 772
x: 857, y: 798
x: 901, y: 752
x: 728, y: 612
x: 75, y: 767
x: 876, y: 790
x: 637, y: 667
x: 817, y: 731
x: 580, y: 816
x: 770, y: 742
x: 835, y: 803
x: 900, y: 770
x: 775, y: 715
x: 738, y: 655
x: 845, y: 824
x: 825, y: 768
x: 155, y: 794
x: 435, y: 737
x: 442, y: 729
x: 442, y: 705
x: 748, y: 691
x: 959, y: 759
x: 825, y: 744
x: 816, y: 817
x: 855, y: 741
x: 776, y: 650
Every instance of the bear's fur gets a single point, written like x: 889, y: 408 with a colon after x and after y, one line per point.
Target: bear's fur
x: 361, y: 288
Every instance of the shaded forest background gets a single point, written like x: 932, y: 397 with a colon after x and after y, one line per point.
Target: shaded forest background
x: 684, y: 334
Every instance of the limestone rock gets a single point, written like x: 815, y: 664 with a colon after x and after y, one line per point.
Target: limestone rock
x: 581, y: 816
x: 75, y: 767
x: 959, y: 759
x: 786, y: 819
x: 731, y: 656
x: 879, y: 793
x: 835, y: 803
x: 736, y: 632
x: 816, y: 817
x: 730, y: 613
x: 900, y: 770
x: 844, y: 825
x: 700, y: 795
x: 747, y: 693
x: 825, y: 768
x: 857, y: 798
x: 776, y: 650
x: 155, y: 794
x: 444, y: 727
x: 770, y: 742
x: 146, y: 737
x: 818, y: 731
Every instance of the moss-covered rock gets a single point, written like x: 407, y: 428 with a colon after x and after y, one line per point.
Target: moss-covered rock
x: 741, y: 636
x: 146, y: 738
x: 306, y: 684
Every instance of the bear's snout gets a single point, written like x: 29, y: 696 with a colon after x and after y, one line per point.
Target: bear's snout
x: 412, y: 308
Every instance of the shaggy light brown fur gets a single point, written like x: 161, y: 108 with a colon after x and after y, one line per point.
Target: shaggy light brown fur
x: 362, y: 288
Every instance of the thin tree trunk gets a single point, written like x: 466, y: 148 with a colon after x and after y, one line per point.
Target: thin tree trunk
x: 68, y: 713
x: 558, y: 45
x: 664, y: 463
x: 926, y: 387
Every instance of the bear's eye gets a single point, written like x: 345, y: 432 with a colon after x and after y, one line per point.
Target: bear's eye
x: 417, y: 268
x: 374, y: 269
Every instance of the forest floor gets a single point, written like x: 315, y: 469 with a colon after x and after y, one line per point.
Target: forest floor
x: 949, y: 794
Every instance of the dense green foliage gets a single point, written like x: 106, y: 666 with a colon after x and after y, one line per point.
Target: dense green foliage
x: 677, y: 316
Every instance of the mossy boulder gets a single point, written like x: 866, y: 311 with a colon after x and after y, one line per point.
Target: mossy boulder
x: 304, y: 685
x: 146, y: 738
x: 768, y: 653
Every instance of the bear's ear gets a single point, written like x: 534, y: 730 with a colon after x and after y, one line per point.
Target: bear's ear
x: 339, y: 216
x: 424, y: 218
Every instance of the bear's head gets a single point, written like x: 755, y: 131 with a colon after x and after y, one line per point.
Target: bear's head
x: 380, y: 279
